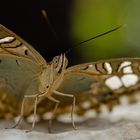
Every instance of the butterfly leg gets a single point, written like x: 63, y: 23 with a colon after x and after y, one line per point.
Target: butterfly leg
x: 20, y: 116
x: 35, y: 109
x: 54, y: 111
x: 22, y: 112
x: 73, y: 104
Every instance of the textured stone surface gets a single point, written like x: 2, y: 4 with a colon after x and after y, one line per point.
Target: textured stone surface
x: 130, y: 131
x: 122, y: 124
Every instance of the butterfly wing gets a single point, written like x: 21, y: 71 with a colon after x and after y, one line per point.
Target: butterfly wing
x: 20, y: 66
x: 101, y: 83
x: 12, y: 44
x: 18, y: 77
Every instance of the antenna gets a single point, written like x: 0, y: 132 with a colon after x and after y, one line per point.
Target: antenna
x: 44, y: 13
x: 112, y: 30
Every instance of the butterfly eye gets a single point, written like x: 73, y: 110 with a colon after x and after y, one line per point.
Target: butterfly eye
x: 56, y: 61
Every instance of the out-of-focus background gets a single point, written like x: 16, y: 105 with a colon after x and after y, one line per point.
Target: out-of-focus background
x: 74, y: 21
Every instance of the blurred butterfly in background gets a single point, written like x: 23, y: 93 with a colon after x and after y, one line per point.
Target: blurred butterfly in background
x: 29, y: 84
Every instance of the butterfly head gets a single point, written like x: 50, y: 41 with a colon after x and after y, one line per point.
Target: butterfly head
x: 59, y: 62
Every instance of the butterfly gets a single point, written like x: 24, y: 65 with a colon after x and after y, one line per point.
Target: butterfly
x: 29, y: 83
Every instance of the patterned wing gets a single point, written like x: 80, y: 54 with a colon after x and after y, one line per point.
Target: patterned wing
x: 18, y: 62
x: 100, y: 83
x: 10, y: 43
x: 18, y: 77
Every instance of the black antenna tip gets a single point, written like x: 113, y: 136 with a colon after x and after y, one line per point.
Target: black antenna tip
x: 112, y: 30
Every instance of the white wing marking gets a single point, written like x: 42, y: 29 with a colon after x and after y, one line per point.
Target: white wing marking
x: 6, y: 39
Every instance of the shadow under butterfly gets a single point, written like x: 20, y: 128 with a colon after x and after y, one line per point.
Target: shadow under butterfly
x: 29, y: 84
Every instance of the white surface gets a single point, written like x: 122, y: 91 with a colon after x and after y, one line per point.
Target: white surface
x: 127, y: 132
x: 121, y: 124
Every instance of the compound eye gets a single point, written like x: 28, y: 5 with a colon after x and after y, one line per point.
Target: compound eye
x: 55, y: 61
